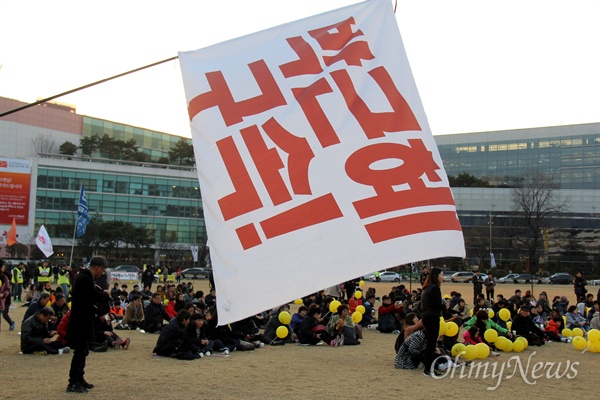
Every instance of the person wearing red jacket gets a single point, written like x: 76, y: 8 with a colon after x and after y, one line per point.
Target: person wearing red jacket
x: 388, y: 323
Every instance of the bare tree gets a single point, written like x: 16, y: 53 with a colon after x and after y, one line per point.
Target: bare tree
x: 44, y: 144
x: 534, y: 202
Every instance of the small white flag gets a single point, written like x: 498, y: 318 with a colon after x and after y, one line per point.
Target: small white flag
x: 43, y: 242
x: 195, y: 253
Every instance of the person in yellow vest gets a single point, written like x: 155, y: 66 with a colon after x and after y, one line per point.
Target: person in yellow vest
x: 44, y: 272
x: 17, y: 282
x: 64, y: 279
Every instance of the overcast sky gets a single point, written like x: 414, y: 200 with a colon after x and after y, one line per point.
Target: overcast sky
x: 479, y: 65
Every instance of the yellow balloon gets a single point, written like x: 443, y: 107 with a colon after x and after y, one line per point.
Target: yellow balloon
x: 285, y: 317
x: 451, y: 329
x: 457, y: 349
x: 508, y: 347
x: 579, y: 343
x: 361, y: 283
x: 333, y: 306
x: 504, y: 344
x: 483, y: 350
x: 509, y: 325
x: 356, y: 317
x: 158, y: 272
x: 130, y: 281
x: 491, y: 313
x: 594, y: 336
x: 504, y: 314
x: 443, y: 327
x: 578, y: 332
x: 471, y: 312
x: 470, y: 353
x: 361, y: 309
x: 518, y: 346
x: 522, y: 340
x: 166, y: 301
x: 595, y: 347
x: 490, y: 335
x: 281, y: 332
x: 358, y: 294
x: 298, y: 301
x: 567, y: 332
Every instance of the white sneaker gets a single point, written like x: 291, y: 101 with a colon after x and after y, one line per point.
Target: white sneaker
x: 494, y: 353
x: 200, y: 355
x: 226, y: 352
x: 442, y: 367
x: 207, y: 354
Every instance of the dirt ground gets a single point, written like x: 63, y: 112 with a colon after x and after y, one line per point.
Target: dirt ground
x: 298, y: 372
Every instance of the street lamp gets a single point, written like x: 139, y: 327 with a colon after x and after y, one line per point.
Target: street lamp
x: 492, y: 261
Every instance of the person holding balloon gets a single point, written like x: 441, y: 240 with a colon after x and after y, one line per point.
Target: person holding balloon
x: 432, y: 307
x: 342, y: 326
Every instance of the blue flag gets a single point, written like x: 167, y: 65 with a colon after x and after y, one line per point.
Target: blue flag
x: 83, y: 218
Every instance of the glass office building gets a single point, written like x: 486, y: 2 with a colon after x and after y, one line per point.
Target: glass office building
x: 571, y: 154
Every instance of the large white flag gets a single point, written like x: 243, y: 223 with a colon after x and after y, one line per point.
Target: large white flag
x: 315, y: 158
x: 43, y: 242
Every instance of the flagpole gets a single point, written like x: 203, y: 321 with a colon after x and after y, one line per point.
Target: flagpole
x: 73, y: 243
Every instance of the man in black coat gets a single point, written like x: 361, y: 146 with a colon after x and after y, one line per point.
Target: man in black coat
x: 86, y: 298
x: 524, y: 326
x: 148, y: 277
x: 154, y: 314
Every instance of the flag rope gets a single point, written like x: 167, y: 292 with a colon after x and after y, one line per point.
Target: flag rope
x: 26, y: 106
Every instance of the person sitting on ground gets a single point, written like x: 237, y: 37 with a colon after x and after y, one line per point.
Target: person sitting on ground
x: 524, y: 326
x: 575, y: 320
x: 595, y: 322
x: 114, y: 292
x: 60, y: 308
x: 388, y: 322
x: 105, y: 332
x: 368, y: 317
x: 555, y: 326
x: 247, y: 330
x: 543, y: 301
x: 35, y: 336
x: 116, y: 311
x: 342, y: 327
x: 211, y: 299
x: 154, y: 314
x: 195, y: 331
x: 173, y: 342
x: 297, y: 319
x: 270, y: 333
x: 312, y: 331
x: 411, y: 323
x: 471, y: 336
x: 220, y: 334
x: 479, y: 305
x: 354, y: 302
x: 536, y: 318
x: 134, y: 314
x: 483, y: 322
x: 412, y: 351
x: 36, y: 306
x: 464, y: 312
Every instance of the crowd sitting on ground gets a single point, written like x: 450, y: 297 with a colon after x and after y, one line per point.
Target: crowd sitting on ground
x: 539, y: 321
x: 186, y: 319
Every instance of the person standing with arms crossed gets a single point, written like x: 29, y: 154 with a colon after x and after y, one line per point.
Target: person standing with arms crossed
x: 432, y: 306
x: 85, y: 296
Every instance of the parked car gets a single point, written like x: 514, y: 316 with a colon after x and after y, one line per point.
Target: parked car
x: 126, y: 268
x: 194, y: 273
x: 510, y: 278
x: 465, y: 277
x: 386, y: 276
x: 526, y: 278
x: 559, y: 278
x: 448, y: 275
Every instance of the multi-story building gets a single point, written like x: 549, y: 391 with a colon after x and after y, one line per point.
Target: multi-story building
x: 165, y: 197
x: 570, y: 154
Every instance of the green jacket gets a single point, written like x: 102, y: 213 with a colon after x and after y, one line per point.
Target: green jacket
x: 489, y: 325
